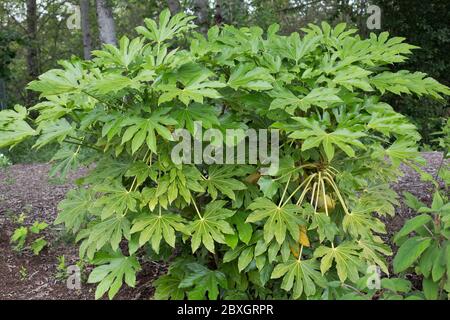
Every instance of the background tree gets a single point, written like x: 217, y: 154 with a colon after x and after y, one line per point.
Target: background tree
x: 425, y: 25
x: 202, y: 11
x: 174, y: 6
x: 32, y: 46
x: 422, y: 25
x: 85, y: 28
x: 106, y: 23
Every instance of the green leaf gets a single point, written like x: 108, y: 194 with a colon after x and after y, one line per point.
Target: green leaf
x: 20, y: 236
x: 167, y: 287
x: 396, y: 284
x: 154, y: 227
x: 211, y: 226
x: 204, y: 281
x: 374, y: 251
x: 409, y: 252
x: 412, y: 202
x: 195, y: 88
x: 250, y: 77
x: 412, y: 225
x: 353, y: 77
x: 142, y: 130
x: 123, y: 56
x: 430, y: 289
x: 167, y: 28
x: 245, y: 258
x: 141, y: 171
x: 13, y: 127
x: 347, y: 260
x: 314, y: 136
x: 278, y: 219
x: 56, y: 82
x: 186, y: 117
x: 96, y: 236
x: 321, y: 97
x: 37, y: 227
x: 54, y: 132
x: 220, y: 179
x: 38, y: 245
x: 301, y: 276
x: 406, y: 82
x: 112, y: 271
x: 74, y: 209
x: 115, y: 200
x: 110, y: 83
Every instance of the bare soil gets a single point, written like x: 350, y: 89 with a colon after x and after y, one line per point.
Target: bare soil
x: 26, y: 188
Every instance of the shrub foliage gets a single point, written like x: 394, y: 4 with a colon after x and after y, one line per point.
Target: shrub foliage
x: 226, y: 230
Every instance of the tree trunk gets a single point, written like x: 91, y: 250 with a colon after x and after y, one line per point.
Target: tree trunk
x: 174, y: 6
x: 106, y: 23
x: 86, y: 29
x: 201, y: 10
x: 218, y: 17
x: 32, y: 47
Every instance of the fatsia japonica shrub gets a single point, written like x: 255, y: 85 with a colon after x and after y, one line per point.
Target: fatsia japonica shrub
x: 229, y: 231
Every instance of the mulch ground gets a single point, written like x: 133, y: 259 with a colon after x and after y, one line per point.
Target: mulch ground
x: 28, y: 189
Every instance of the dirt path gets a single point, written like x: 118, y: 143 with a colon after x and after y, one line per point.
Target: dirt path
x: 27, y: 189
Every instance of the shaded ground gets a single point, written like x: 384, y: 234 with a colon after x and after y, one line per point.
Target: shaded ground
x: 27, y: 189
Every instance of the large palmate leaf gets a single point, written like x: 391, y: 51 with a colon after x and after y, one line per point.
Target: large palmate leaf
x: 203, y: 281
x: 142, y: 130
x: 278, y: 219
x: 195, y: 89
x: 54, y: 132
x: 401, y: 150
x: 286, y: 100
x: 211, y: 226
x: 112, y: 271
x: 220, y: 179
x: 249, y: 77
x: 361, y: 223
x: 13, y: 127
x: 167, y: 287
x: 124, y: 55
x: 346, y: 257
x: 65, y: 160
x: 154, y: 227
x: 96, y: 236
x: 407, y: 82
x: 299, y: 276
x: 206, y: 115
x: 141, y: 171
x: 168, y: 27
x: 353, y: 77
x: 115, y: 200
x: 374, y: 251
x: 314, y: 136
x: 74, y: 209
x: 55, y: 82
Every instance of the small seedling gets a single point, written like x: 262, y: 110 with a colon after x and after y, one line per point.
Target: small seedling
x: 23, y: 272
x: 61, y: 268
x: 21, y: 235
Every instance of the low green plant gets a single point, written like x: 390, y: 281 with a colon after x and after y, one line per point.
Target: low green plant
x: 4, y: 161
x: 21, y: 236
x: 424, y: 245
x: 388, y: 289
x: 23, y: 273
x: 443, y: 138
x: 235, y: 231
x: 61, y: 268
